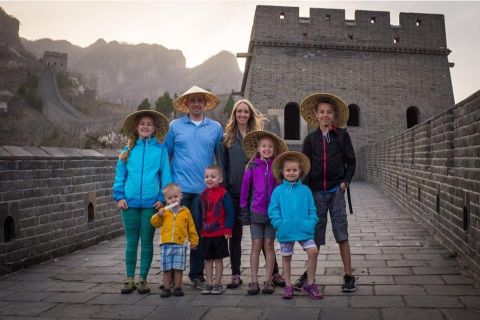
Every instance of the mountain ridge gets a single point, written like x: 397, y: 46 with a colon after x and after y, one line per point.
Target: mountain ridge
x: 131, y: 72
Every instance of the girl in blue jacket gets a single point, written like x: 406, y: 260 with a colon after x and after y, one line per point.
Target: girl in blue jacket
x: 143, y: 169
x: 293, y: 214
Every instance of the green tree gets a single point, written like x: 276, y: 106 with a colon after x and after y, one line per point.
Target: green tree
x: 145, y: 105
x: 164, y: 104
x: 229, y: 105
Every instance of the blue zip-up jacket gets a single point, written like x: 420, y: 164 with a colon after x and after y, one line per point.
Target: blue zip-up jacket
x: 140, y: 180
x: 292, y: 212
x: 192, y: 148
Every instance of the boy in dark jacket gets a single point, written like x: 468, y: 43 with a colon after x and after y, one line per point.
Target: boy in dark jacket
x: 217, y: 223
x: 331, y: 154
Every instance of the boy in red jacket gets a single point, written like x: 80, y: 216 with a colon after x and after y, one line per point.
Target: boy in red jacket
x: 217, y: 224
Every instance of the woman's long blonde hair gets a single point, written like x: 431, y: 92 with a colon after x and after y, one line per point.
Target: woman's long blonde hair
x: 133, y: 137
x: 255, y: 122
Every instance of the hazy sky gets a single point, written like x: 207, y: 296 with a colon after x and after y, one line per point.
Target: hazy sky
x: 201, y: 29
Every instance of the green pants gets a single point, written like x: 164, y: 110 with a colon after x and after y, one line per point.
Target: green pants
x: 136, y: 222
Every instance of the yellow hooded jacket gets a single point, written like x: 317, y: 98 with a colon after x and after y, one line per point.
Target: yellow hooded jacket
x: 175, y: 227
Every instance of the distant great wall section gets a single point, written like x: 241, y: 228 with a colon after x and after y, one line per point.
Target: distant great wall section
x: 54, y: 201
x: 433, y: 171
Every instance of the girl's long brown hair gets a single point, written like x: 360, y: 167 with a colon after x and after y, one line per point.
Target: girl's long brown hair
x: 255, y: 122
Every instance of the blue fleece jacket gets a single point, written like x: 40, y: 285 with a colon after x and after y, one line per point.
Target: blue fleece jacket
x: 140, y: 180
x: 292, y: 212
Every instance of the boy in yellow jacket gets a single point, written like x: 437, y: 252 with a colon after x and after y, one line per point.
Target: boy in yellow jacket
x: 175, y: 223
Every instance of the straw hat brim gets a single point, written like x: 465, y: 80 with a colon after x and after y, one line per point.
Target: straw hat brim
x: 278, y: 164
x: 211, y: 100
x: 250, y: 141
x: 160, y: 121
x: 309, y: 105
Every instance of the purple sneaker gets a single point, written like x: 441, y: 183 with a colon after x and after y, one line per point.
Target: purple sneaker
x: 312, y: 291
x: 288, y: 292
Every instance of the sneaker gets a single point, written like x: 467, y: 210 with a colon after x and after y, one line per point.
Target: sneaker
x: 235, y: 282
x: 129, y: 287
x: 253, y: 288
x: 312, y: 291
x: 348, y: 283
x: 199, y: 283
x: 143, y: 287
x: 300, y: 282
x: 166, y: 293
x: 217, y: 289
x: 267, y: 288
x: 178, y: 292
x: 278, y: 280
x: 207, y: 289
x: 288, y: 292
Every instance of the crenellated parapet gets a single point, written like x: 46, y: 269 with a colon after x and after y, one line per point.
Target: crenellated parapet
x: 55, y: 60
x: 370, y: 30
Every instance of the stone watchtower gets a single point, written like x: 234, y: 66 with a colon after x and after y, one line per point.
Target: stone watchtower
x: 392, y: 77
x: 55, y: 60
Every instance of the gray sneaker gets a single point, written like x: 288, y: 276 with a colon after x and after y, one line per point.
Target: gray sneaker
x: 207, y: 289
x: 217, y: 289
x: 199, y: 283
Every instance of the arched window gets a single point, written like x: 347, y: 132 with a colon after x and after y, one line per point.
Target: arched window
x: 354, y: 116
x: 291, y: 115
x: 412, y: 116
x: 8, y: 229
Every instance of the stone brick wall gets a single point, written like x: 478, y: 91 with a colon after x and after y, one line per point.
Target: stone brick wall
x: 292, y: 57
x: 433, y: 171
x: 54, y: 201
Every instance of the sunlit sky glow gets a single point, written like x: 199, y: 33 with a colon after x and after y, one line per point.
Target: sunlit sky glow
x: 202, y: 29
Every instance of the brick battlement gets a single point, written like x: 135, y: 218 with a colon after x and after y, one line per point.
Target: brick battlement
x: 433, y: 171
x: 54, y: 201
x: 370, y: 28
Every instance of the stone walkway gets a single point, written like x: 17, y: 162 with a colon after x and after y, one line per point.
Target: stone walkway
x: 402, y: 272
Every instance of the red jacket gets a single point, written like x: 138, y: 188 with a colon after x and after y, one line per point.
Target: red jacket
x: 217, y: 212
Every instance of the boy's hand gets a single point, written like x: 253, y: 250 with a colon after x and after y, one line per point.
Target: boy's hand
x: 160, y: 212
x: 157, y: 205
x: 193, y: 247
x: 228, y: 236
x: 122, y: 204
x: 343, y: 186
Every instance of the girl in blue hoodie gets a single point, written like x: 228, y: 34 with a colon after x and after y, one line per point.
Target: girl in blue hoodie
x: 293, y: 214
x: 143, y: 169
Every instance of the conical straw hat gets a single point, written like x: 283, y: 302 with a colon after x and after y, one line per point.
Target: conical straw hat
x: 211, y: 100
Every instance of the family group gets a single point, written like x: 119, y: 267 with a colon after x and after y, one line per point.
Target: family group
x: 200, y: 185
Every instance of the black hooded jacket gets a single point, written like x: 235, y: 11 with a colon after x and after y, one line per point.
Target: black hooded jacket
x: 332, y: 164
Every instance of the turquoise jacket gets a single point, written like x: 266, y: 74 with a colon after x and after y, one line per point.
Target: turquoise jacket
x: 292, y: 212
x: 141, y: 179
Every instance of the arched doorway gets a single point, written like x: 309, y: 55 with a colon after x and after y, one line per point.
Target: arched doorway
x: 354, y: 115
x: 412, y: 116
x: 291, y: 116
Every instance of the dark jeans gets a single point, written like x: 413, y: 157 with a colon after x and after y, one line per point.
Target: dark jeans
x: 192, y: 201
x: 235, y: 242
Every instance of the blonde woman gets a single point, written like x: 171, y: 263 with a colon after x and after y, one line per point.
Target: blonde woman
x: 243, y: 119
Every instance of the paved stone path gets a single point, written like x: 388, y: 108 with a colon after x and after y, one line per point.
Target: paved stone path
x: 402, y: 272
